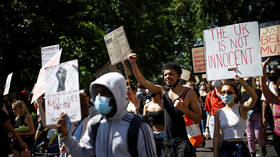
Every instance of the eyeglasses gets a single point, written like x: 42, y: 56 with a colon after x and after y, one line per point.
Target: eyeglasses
x: 227, y: 92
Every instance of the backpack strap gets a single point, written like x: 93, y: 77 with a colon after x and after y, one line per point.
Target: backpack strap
x: 182, y: 97
x: 132, y: 135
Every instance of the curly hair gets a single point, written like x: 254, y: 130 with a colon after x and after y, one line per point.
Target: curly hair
x: 174, y: 66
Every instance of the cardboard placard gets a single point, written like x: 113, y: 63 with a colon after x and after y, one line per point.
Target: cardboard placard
x: 198, y: 59
x: 232, y: 49
x: 117, y: 45
x: 270, y: 40
x: 8, y: 84
x: 62, y: 92
x: 48, y: 52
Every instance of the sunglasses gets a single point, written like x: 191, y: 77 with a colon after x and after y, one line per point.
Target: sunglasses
x: 227, y: 92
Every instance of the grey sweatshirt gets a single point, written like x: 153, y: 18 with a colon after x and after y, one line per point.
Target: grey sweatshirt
x: 111, y: 139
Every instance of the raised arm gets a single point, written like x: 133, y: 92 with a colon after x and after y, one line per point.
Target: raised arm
x: 269, y: 96
x: 140, y: 78
x: 250, y: 103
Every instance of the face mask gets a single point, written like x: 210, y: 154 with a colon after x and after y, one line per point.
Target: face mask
x: 227, y: 99
x: 258, y: 83
x: 101, y: 104
x: 174, y: 85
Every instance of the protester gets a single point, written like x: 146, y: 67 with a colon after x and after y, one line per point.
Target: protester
x: 133, y: 105
x: 154, y: 115
x: 141, y: 94
x: 267, y: 116
x: 5, y: 128
x: 275, y: 101
x: 111, y: 136
x: 230, y: 120
x: 24, y: 126
x: 176, y: 140
x: 77, y: 129
x: 203, y: 90
x: 213, y: 102
x: 254, y: 128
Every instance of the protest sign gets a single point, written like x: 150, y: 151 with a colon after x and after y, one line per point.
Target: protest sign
x: 117, y: 45
x: 270, y: 40
x: 232, y: 49
x: 62, y: 92
x: 40, y: 84
x: 48, y: 52
x: 198, y: 59
x: 8, y: 84
x: 185, y: 74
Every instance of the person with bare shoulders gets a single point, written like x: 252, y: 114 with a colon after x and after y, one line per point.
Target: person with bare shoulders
x: 230, y: 121
x: 153, y: 114
x: 273, y: 99
x: 176, y: 140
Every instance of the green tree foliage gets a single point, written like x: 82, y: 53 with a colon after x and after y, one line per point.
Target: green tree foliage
x: 158, y: 31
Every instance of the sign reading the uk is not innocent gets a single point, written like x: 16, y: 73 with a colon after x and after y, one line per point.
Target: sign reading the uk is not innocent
x: 232, y: 49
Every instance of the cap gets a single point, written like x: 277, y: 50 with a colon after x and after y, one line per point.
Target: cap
x: 216, y: 83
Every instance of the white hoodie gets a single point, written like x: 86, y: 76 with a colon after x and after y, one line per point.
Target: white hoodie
x: 111, y: 139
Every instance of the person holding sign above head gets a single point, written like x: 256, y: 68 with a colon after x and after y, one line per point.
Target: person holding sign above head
x: 275, y: 101
x: 175, y: 107
x: 116, y: 133
x: 230, y: 121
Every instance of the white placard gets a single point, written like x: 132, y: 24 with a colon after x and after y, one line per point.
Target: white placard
x: 117, y: 45
x: 185, y: 74
x: 232, y: 49
x: 39, y: 88
x: 48, y: 52
x: 62, y: 92
x: 8, y: 84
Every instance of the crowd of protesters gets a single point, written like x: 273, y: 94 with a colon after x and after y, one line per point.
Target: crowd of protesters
x: 232, y: 112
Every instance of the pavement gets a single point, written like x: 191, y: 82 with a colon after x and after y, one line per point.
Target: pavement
x: 207, y: 150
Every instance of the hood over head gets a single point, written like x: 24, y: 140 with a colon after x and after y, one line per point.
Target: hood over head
x: 115, y: 82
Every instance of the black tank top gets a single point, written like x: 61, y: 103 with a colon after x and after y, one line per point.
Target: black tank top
x: 174, y: 123
x: 20, y: 121
x: 156, y: 117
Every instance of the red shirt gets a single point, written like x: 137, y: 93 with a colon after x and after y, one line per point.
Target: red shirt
x: 213, y: 102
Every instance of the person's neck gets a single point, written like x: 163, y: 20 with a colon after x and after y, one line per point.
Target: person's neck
x: 231, y: 104
x: 177, y: 89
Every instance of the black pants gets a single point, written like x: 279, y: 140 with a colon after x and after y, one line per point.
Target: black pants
x: 182, y: 150
x: 276, y: 142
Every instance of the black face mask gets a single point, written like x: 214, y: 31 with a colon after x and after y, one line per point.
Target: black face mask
x: 273, y: 77
x: 174, y: 85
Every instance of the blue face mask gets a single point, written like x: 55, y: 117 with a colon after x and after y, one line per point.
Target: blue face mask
x: 227, y: 99
x: 101, y: 104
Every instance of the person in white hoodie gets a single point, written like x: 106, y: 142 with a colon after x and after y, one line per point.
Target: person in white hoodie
x: 110, y: 140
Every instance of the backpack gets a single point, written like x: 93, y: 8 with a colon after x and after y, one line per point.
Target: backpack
x: 132, y: 134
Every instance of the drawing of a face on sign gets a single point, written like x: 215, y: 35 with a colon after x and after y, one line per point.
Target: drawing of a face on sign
x: 61, y: 77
